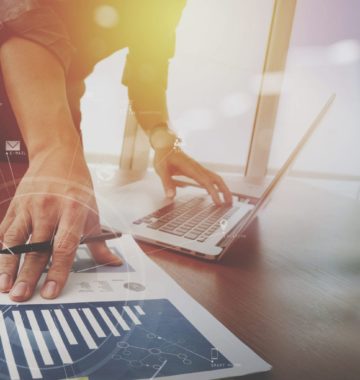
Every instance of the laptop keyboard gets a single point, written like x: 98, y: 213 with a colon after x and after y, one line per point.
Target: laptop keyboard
x: 197, y: 219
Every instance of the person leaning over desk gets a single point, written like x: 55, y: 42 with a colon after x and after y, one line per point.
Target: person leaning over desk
x: 48, y: 48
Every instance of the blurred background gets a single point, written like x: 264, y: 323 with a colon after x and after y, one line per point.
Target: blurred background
x: 215, y: 81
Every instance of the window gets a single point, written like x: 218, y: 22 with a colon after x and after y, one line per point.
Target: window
x: 104, y: 109
x: 324, y: 57
x: 215, y: 76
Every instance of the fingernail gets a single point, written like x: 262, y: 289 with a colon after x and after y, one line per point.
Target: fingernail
x: 49, y: 290
x: 118, y: 261
x: 4, y: 282
x: 20, y: 289
x: 170, y: 193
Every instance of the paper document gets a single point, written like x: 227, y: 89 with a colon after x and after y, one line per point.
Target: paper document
x: 131, y: 322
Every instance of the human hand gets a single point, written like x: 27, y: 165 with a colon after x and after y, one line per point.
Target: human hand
x: 173, y: 161
x: 54, y: 201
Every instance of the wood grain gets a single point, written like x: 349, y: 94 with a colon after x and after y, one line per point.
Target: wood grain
x: 290, y: 289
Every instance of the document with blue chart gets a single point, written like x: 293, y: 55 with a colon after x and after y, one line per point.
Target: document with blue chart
x: 129, y: 323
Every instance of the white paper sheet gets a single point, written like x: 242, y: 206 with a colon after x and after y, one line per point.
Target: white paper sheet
x: 152, y: 328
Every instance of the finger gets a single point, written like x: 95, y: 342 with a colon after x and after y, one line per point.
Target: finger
x: 9, y: 264
x: 103, y: 255
x: 99, y: 250
x: 219, y: 182
x: 7, y: 221
x: 192, y: 169
x: 66, y: 241
x: 33, y: 265
x: 168, y: 183
x: 207, y: 183
x: 211, y: 189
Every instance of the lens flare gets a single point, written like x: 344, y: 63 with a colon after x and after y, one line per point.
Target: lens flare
x: 106, y: 16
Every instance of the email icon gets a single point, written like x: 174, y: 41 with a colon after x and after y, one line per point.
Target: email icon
x: 12, y: 146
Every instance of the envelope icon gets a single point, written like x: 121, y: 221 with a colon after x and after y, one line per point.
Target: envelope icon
x: 12, y: 146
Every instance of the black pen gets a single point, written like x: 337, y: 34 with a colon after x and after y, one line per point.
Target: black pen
x: 48, y: 245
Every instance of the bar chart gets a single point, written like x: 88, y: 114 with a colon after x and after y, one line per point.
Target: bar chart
x: 102, y: 341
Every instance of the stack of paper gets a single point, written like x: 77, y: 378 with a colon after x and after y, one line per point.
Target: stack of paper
x: 131, y: 322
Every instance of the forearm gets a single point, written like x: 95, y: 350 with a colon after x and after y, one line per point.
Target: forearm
x: 149, y: 105
x: 35, y: 84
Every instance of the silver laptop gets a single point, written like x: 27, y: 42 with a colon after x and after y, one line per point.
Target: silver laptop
x: 192, y: 224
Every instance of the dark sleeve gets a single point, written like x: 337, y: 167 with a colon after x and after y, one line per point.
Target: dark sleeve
x: 36, y: 21
x: 152, y: 43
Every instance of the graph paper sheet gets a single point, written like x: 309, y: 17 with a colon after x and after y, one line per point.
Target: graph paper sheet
x: 132, y: 322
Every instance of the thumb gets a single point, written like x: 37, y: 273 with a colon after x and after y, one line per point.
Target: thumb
x: 103, y: 255
x: 99, y: 250
x: 168, y: 184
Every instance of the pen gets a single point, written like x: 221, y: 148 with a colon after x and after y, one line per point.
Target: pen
x: 48, y: 245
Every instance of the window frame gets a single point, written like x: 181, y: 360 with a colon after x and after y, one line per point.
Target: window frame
x: 135, y: 150
x: 267, y: 107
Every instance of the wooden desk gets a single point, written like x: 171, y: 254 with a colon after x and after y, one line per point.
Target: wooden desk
x: 291, y: 288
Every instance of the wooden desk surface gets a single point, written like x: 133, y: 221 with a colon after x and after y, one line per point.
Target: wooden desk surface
x: 291, y: 288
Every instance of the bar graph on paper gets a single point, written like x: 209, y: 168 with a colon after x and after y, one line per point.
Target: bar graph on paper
x: 102, y: 341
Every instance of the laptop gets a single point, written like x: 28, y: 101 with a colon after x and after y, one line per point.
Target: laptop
x: 192, y: 224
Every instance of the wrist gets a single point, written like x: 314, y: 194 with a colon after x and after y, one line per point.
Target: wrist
x: 161, y: 137
x: 55, y: 144
x: 66, y: 162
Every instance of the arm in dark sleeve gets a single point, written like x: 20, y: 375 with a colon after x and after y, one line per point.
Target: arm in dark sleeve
x: 147, y: 66
x: 147, y: 83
